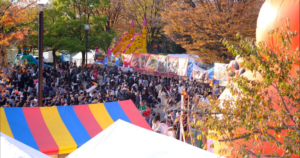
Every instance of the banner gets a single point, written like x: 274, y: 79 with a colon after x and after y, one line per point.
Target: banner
x: 152, y: 62
x: 139, y: 60
x: 126, y: 58
x: 162, y: 64
x: 197, y: 75
x: 172, y: 67
x: 182, y: 66
x: 100, y: 57
x: 220, y: 73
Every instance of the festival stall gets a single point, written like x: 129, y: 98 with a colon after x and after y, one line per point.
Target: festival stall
x: 11, y: 148
x: 61, y: 130
x: 113, y: 142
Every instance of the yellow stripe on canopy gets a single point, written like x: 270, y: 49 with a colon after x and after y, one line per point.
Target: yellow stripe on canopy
x: 58, y: 130
x: 101, y: 115
x: 4, y: 126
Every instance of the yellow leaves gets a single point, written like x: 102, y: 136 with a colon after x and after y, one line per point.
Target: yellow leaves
x: 279, y: 136
x: 255, y: 137
x: 198, y: 123
x: 199, y: 137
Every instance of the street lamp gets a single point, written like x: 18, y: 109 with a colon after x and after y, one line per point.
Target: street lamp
x: 87, y: 27
x: 42, y: 4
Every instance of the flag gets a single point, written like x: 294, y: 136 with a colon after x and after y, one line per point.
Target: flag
x: 91, y: 89
x: 94, y: 83
x: 211, y: 82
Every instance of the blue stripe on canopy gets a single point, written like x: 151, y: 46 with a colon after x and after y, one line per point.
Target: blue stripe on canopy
x: 19, y: 127
x: 116, y: 112
x: 73, y: 124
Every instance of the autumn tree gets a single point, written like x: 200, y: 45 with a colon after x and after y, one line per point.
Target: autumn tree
x: 15, y: 21
x: 115, y: 13
x: 151, y: 9
x: 261, y: 117
x: 199, y: 25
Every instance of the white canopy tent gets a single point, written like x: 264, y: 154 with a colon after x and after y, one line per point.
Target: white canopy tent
x: 11, y: 148
x: 123, y: 139
x: 78, y: 58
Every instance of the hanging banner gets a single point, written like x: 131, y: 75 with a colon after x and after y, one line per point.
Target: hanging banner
x: 172, y: 67
x: 126, y: 58
x: 162, y: 64
x: 139, y: 60
x: 220, y: 73
x: 182, y: 66
x: 152, y: 62
x: 197, y: 74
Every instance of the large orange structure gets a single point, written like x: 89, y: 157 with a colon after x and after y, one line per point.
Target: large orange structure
x: 131, y: 42
x: 273, y: 14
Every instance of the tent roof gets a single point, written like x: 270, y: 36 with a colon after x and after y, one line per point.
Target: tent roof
x: 195, y: 67
x: 63, y: 129
x: 14, y: 149
x: 79, y: 55
x: 126, y: 140
x: 191, y: 59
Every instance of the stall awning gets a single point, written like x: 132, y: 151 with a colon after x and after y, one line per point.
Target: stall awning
x: 60, y: 130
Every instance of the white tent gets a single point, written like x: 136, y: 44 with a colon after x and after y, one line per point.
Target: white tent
x: 123, y: 139
x: 78, y: 58
x: 11, y: 148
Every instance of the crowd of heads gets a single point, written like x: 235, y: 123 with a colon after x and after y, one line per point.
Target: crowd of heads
x: 68, y: 84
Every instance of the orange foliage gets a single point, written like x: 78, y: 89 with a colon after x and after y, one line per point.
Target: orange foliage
x: 199, y: 25
x: 14, y: 23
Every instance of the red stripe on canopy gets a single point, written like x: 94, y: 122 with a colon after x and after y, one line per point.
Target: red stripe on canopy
x: 133, y: 114
x: 40, y: 131
x: 88, y: 120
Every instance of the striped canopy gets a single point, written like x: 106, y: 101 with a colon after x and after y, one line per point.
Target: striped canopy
x: 61, y: 130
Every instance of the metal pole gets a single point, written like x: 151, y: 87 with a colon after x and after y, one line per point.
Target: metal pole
x: 86, y: 46
x: 40, y: 75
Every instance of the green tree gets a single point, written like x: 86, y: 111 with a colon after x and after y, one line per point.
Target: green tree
x: 64, y: 28
x: 262, y: 113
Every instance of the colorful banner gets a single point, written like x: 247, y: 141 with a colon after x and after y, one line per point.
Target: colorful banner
x: 61, y: 130
x: 197, y: 75
x: 162, y: 64
x: 126, y: 58
x: 173, y: 64
x: 100, y: 57
x: 152, y: 62
x: 139, y: 60
x: 182, y: 66
x: 220, y: 73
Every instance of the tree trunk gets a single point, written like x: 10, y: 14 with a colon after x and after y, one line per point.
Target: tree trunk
x: 83, y: 57
x: 54, y: 56
x: 3, y: 57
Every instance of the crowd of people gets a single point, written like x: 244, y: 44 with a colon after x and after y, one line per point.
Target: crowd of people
x: 68, y: 84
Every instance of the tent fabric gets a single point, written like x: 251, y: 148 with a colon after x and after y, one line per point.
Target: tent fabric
x: 11, y: 148
x: 190, y: 70
x: 78, y: 58
x: 61, y: 130
x: 113, y: 142
x: 211, y: 73
x: 197, y: 68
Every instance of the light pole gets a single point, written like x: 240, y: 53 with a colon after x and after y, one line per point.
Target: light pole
x: 86, y: 28
x: 42, y: 5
